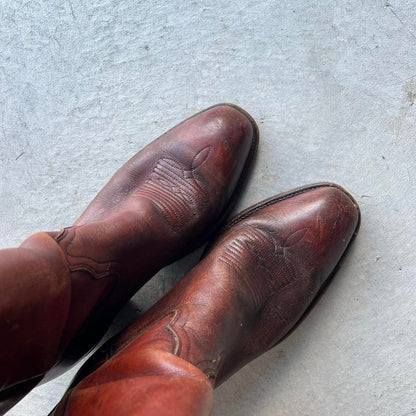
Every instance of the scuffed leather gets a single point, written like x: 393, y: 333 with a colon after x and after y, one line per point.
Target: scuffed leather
x: 252, y: 288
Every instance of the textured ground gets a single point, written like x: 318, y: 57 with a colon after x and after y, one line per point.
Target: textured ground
x: 85, y: 84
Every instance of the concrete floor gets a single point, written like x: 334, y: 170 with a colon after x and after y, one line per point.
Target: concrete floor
x: 332, y: 84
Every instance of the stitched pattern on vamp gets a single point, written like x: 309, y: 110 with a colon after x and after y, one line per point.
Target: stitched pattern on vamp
x: 177, y: 190
x: 257, y: 251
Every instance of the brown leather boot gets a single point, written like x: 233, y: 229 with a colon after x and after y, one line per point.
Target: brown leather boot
x: 59, y: 291
x: 254, y: 285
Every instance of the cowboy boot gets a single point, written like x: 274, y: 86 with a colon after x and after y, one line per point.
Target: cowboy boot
x: 253, y: 286
x: 60, y: 290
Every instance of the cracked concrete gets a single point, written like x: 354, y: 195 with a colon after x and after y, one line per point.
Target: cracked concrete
x: 84, y: 85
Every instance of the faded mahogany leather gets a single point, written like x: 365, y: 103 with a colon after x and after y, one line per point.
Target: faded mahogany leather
x: 60, y: 290
x: 250, y: 290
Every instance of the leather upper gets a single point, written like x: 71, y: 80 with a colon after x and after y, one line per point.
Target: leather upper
x: 253, y: 286
x: 161, y: 204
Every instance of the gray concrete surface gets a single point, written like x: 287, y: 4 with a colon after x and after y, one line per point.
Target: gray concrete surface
x: 332, y: 84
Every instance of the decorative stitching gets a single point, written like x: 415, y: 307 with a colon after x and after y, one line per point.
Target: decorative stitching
x: 177, y: 348
x: 95, y: 268
x: 175, y: 189
x: 260, y: 247
x: 270, y: 201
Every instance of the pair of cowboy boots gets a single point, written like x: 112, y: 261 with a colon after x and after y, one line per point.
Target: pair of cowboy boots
x: 256, y: 280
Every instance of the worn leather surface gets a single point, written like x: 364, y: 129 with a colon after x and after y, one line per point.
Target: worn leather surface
x: 252, y: 288
x: 60, y: 290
